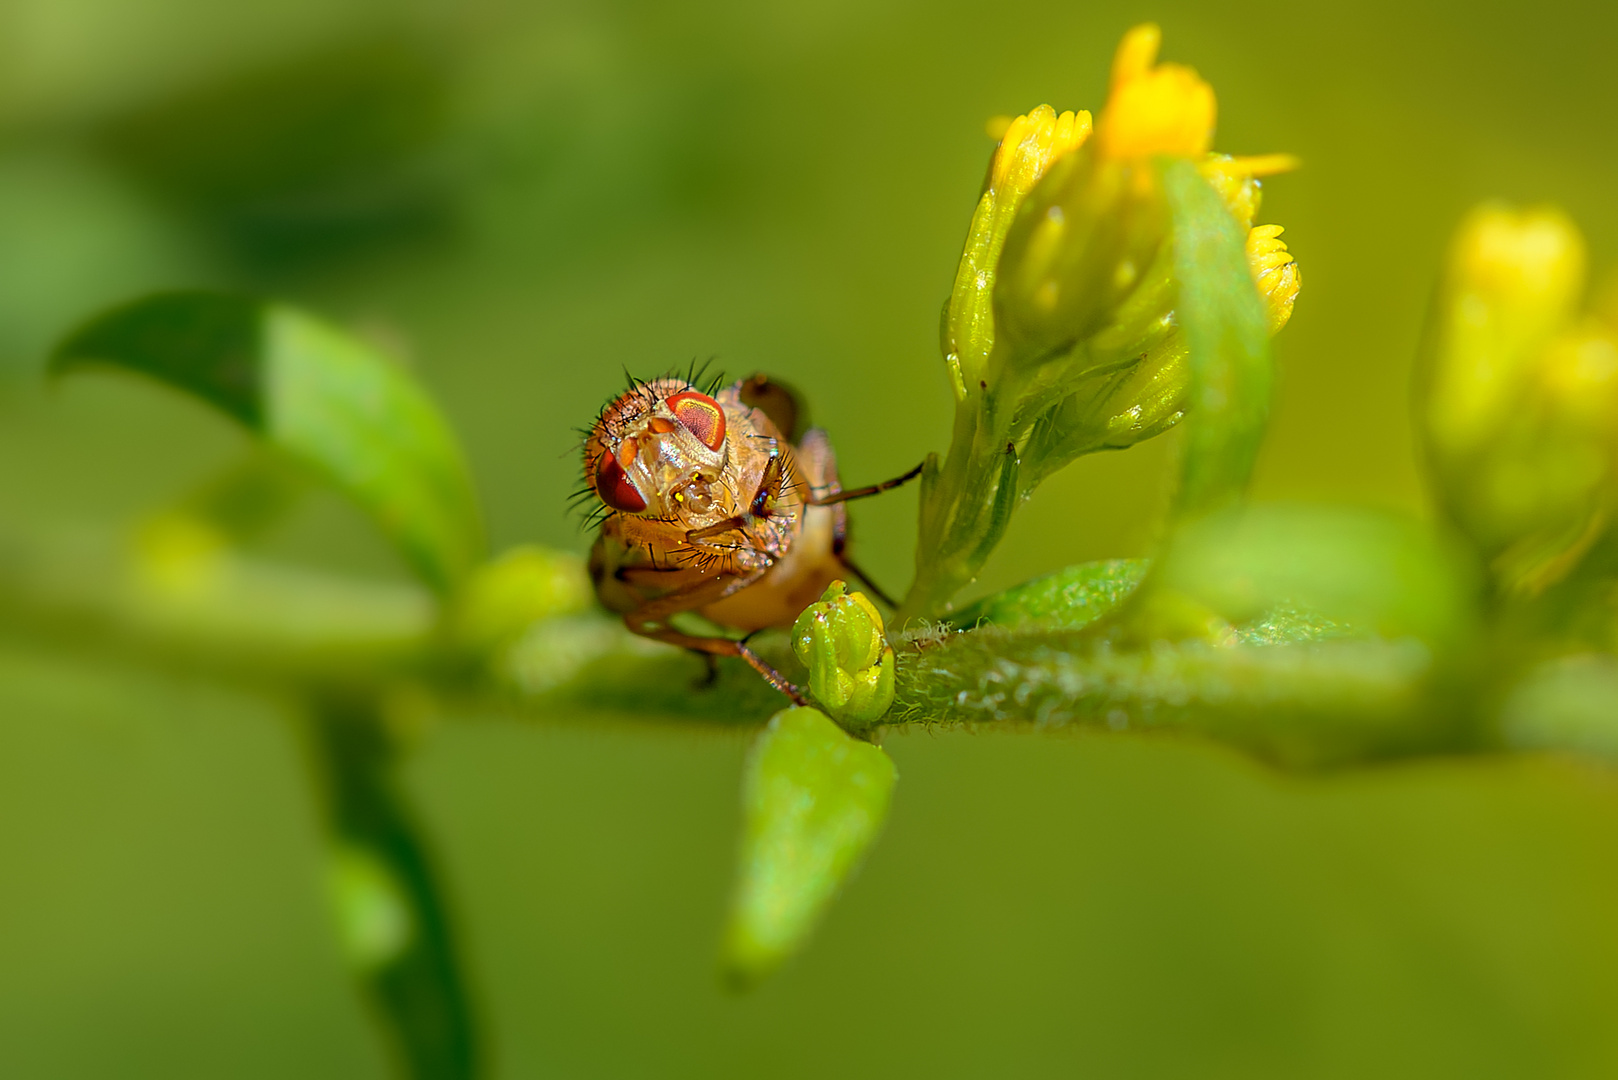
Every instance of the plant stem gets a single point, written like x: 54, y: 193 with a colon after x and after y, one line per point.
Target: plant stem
x: 965, y: 508
x: 390, y: 907
x: 220, y: 613
x: 1306, y: 704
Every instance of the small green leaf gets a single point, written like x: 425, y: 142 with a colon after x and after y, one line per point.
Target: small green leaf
x: 1228, y: 334
x: 323, y: 398
x: 1069, y: 599
x: 813, y: 799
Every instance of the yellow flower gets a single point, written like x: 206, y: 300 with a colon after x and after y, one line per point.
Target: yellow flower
x: 1519, y: 397
x: 1274, y: 271
x: 1028, y: 145
x: 1089, y: 245
x: 1154, y: 108
x: 1513, y: 280
x: 1060, y: 333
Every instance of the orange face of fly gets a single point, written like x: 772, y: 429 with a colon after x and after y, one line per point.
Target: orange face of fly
x: 660, y: 450
x: 674, y: 466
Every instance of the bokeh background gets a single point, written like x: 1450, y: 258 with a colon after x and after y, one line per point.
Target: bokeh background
x: 523, y: 199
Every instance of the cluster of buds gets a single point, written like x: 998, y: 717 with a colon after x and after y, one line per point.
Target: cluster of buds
x: 1060, y: 333
x: 839, y: 639
x: 1518, y: 397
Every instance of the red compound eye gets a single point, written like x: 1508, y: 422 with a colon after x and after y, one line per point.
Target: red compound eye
x: 701, y: 416
x: 614, y: 489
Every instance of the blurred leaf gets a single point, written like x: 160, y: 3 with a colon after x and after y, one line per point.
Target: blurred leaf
x: 1372, y: 572
x: 1289, y: 625
x: 1070, y: 598
x: 1227, y: 331
x: 325, y: 399
x: 813, y: 799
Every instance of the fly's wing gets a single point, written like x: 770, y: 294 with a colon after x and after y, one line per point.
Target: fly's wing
x: 776, y: 400
x: 818, y: 463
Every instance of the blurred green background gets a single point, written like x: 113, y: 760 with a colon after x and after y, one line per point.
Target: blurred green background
x: 524, y: 198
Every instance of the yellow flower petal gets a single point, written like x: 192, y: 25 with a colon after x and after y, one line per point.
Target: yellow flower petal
x: 1136, y: 54
x: 1274, y: 272
x: 1155, y: 108
x: 1031, y: 143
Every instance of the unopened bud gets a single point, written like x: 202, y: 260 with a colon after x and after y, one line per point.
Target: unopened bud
x: 839, y: 639
x: 504, y: 596
x: 1519, y: 399
x: 1028, y: 146
x: 1512, y: 281
x: 1084, y: 241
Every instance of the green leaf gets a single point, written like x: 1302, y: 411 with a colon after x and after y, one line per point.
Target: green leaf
x: 323, y: 398
x: 1228, y: 335
x: 1070, y: 598
x: 813, y: 799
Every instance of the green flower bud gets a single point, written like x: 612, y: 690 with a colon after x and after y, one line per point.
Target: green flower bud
x: 1028, y: 146
x: 1111, y: 411
x: 839, y: 639
x: 1082, y: 243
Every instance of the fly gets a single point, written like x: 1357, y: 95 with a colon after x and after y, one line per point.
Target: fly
x: 712, y: 502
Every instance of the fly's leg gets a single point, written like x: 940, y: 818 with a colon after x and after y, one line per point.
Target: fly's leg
x: 865, y: 579
x: 710, y: 674
x: 651, y: 620
x: 769, y: 486
x: 821, y: 465
x: 724, y: 647
x: 833, y: 497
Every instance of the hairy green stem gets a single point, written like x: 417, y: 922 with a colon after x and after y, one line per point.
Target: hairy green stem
x: 1300, y: 704
x: 966, y: 508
